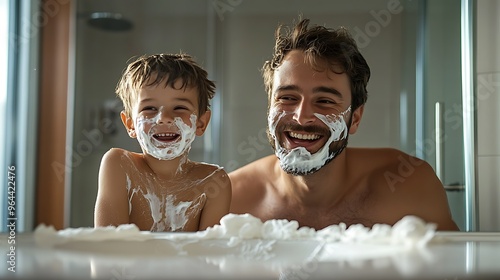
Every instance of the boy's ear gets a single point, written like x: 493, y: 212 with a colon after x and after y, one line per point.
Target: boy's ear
x: 129, y: 124
x: 202, y: 123
x: 356, y: 119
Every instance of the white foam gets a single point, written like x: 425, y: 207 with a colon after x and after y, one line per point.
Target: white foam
x: 165, y: 151
x: 299, y: 159
x: 409, y: 231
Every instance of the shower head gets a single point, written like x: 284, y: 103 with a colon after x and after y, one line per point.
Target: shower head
x: 109, y: 21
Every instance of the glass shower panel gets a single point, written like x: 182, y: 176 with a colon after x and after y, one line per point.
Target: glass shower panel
x: 442, y: 142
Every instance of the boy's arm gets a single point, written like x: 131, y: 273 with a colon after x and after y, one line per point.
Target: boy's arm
x: 112, y: 207
x: 218, y: 192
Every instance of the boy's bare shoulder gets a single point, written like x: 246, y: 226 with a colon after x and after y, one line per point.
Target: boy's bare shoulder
x: 118, y: 156
x: 115, y: 154
x: 213, y: 171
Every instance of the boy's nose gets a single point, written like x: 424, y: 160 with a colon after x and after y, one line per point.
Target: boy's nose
x: 304, y: 113
x: 163, y: 117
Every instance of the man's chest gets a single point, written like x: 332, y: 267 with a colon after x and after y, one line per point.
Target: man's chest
x: 320, y: 218
x: 350, y: 210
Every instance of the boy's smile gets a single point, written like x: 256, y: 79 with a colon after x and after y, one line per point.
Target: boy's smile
x: 166, y: 137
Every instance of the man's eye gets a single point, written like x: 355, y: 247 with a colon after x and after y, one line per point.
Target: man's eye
x: 327, y: 101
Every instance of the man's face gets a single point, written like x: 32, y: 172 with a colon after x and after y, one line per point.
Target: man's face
x: 309, y: 114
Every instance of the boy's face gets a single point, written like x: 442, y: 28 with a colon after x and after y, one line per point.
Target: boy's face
x: 165, y: 120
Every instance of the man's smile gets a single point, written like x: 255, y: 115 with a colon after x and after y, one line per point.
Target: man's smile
x: 312, y: 142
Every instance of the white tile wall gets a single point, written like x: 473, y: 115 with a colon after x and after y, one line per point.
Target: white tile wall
x: 489, y: 193
x: 488, y: 117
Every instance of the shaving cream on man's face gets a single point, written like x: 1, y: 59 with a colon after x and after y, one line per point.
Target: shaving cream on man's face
x: 299, y: 161
x: 165, y: 141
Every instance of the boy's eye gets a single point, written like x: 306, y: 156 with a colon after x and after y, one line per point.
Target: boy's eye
x: 181, y: 108
x: 149, y: 108
x: 286, y: 98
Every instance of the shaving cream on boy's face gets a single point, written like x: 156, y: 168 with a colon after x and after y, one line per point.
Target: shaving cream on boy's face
x: 165, y: 141
x: 299, y: 161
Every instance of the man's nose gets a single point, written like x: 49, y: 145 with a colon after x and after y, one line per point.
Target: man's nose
x: 304, y: 113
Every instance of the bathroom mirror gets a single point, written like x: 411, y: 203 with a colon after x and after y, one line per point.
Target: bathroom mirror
x: 412, y: 47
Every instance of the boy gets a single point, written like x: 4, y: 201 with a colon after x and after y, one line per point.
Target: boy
x: 166, y: 105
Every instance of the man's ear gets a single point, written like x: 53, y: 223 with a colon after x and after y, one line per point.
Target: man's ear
x: 129, y: 124
x: 356, y: 119
x: 202, y: 122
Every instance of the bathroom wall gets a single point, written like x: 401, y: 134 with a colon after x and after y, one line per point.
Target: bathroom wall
x: 488, y: 116
x: 245, y: 100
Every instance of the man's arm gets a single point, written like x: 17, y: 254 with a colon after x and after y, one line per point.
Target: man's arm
x: 112, y: 206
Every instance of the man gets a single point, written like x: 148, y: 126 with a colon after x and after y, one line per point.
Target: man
x: 316, y: 84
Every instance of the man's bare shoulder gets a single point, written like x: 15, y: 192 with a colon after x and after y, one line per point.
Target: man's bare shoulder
x: 387, y: 160
x: 393, y: 168
x: 253, y: 172
x: 406, y: 184
x: 249, y: 184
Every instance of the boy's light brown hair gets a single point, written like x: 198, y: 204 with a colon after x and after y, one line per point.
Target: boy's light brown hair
x: 164, y: 69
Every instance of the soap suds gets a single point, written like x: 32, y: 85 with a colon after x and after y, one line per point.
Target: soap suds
x: 165, y: 150
x: 168, y: 216
x: 409, y: 231
x: 240, y: 241
x: 168, y: 213
x: 299, y: 161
